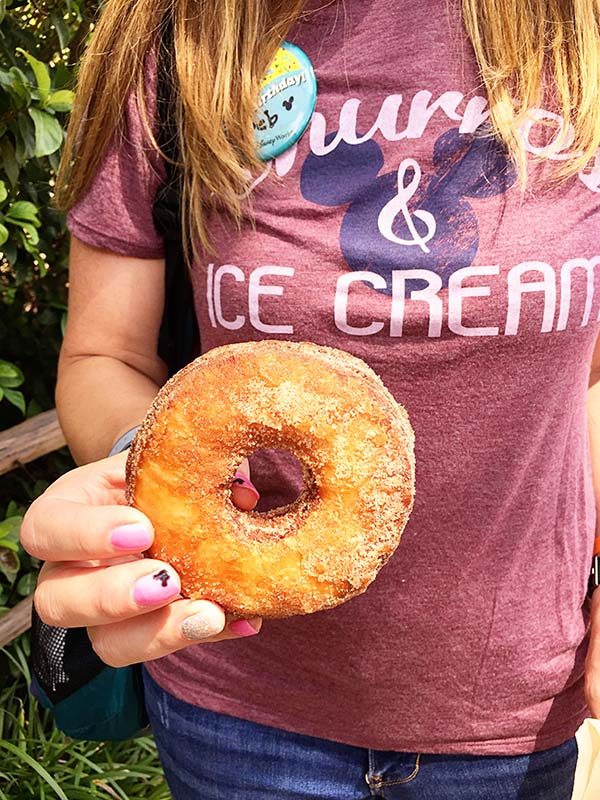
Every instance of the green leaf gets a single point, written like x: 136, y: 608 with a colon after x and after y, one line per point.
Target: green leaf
x: 48, y: 132
x: 27, y: 245
x: 11, y: 376
x: 2, y: 9
x: 23, y: 210
x: 32, y: 409
x: 10, y: 528
x: 25, y: 140
x: 12, y: 509
x: 17, y: 84
x: 34, y: 238
x: 62, y: 30
x: 26, y: 584
x: 3, y: 234
x: 54, y: 159
x: 9, y: 161
x: 3, y: 192
x: 61, y: 100
x: 33, y: 764
x: 9, y: 563
x: 16, y: 399
x: 40, y: 70
x: 10, y: 253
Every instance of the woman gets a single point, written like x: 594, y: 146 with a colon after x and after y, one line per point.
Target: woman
x: 439, y: 219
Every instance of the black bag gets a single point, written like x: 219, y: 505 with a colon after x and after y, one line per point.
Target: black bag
x: 90, y: 700
x: 179, y: 341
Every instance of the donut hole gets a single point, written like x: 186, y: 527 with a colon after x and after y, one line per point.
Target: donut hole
x: 278, y: 476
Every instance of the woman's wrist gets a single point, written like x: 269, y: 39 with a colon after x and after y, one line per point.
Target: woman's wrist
x: 124, y: 441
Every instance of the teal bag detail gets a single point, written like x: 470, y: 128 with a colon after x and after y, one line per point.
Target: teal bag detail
x: 88, y: 699
x: 109, y: 707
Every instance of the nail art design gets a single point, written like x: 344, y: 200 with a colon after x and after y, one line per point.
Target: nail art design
x: 153, y: 589
x: 162, y: 576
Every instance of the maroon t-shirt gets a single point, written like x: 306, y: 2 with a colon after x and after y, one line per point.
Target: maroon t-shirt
x: 397, y: 230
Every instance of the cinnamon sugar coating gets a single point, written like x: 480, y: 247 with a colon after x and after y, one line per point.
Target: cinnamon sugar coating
x: 334, y: 414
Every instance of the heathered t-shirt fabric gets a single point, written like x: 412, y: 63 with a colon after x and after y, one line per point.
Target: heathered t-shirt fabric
x: 396, y: 229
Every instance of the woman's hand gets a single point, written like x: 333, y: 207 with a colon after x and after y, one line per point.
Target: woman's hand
x: 592, y: 664
x: 94, y: 574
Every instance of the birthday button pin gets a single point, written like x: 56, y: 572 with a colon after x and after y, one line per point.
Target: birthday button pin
x: 288, y: 94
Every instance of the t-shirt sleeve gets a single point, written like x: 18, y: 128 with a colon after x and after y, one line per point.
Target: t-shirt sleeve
x: 116, y: 211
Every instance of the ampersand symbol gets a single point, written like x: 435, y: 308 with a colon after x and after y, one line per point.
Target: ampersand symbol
x: 399, y: 205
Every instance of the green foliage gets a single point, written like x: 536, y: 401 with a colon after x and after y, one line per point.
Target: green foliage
x: 18, y: 570
x: 40, y: 44
x: 41, y: 41
x: 11, y: 377
x: 36, y: 761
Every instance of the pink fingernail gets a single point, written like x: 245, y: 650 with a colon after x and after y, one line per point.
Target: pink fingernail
x: 242, y: 627
x: 156, y: 588
x: 239, y: 479
x: 134, y: 536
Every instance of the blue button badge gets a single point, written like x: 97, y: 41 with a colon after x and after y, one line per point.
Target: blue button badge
x: 287, y: 99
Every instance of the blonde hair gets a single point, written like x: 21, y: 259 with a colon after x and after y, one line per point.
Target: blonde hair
x: 535, y: 51
x: 222, y: 49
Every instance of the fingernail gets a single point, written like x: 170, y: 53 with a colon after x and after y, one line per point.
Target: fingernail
x: 241, y: 627
x: 156, y: 588
x: 134, y: 536
x: 200, y: 626
x: 239, y: 479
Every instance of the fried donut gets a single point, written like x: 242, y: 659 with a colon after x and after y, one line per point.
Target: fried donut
x: 327, y: 408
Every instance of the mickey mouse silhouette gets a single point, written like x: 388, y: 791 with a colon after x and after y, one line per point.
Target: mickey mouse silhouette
x: 402, y: 220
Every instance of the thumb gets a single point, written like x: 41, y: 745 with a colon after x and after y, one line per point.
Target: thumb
x: 243, y: 492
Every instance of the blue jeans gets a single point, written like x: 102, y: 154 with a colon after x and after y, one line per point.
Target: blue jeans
x: 209, y: 756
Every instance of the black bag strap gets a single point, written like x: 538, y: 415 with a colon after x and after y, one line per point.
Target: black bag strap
x: 179, y: 340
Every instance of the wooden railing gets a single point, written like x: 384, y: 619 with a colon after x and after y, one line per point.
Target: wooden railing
x: 29, y: 440
x: 19, y: 445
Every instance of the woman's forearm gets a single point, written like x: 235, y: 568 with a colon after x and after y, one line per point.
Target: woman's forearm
x: 109, y: 370
x: 98, y: 398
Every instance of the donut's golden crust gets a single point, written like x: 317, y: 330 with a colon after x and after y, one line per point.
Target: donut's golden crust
x: 335, y: 415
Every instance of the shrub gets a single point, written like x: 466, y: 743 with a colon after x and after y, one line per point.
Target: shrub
x: 40, y: 45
